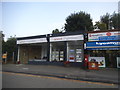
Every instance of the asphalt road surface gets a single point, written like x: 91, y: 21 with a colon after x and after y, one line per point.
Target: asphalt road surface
x: 19, y: 80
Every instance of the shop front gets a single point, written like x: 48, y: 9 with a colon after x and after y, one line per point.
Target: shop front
x: 51, y: 49
x: 104, y: 47
x: 32, y: 49
x: 67, y: 48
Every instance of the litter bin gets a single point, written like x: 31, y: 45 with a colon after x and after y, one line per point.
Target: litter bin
x: 93, y: 65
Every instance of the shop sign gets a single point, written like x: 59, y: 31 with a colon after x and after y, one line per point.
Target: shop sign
x: 67, y: 38
x: 104, y: 48
x: 118, y: 62
x: 39, y: 60
x: 100, y: 60
x: 29, y: 41
x: 111, y: 44
x: 103, y: 36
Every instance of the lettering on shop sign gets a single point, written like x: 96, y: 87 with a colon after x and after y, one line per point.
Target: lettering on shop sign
x: 112, y: 45
x: 113, y: 35
x: 29, y: 41
x: 57, y: 38
x: 66, y: 38
x: 107, y: 43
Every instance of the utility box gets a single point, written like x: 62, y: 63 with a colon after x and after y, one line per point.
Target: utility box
x: 93, y: 65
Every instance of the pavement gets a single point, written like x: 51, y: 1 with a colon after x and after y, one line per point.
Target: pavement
x: 106, y: 75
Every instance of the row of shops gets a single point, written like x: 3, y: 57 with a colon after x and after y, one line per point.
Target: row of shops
x: 100, y: 46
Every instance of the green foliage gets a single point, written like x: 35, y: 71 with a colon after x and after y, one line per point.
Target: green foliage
x: 10, y: 46
x: 115, y: 20
x: 106, y: 19
x: 100, y: 25
x: 111, y: 20
x: 80, y: 21
x: 56, y: 31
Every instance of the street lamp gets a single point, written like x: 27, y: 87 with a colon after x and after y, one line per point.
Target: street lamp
x: 1, y: 36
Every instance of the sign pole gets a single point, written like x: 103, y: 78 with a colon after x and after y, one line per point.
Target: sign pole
x: 6, y: 58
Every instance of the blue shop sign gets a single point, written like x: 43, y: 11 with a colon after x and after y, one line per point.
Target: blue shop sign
x: 103, y: 38
x: 117, y: 48
x: 111, y: 45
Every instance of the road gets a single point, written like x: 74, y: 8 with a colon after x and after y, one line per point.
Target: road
x: 19, y: 80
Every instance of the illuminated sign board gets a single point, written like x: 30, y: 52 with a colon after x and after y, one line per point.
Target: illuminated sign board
x: 103, y: 36
x: 29, y: 41
x: 111, y: 45
x: 66, y: 38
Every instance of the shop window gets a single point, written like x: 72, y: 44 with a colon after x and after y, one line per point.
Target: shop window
x: 57, y: 53
x: 75, y: 51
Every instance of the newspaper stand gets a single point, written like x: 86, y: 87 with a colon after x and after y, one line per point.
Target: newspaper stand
x: 93, y: 65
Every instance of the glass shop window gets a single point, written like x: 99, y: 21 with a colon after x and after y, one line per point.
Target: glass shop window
x: 75, y: 51
x: 57, y: 53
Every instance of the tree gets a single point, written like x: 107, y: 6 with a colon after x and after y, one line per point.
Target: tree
x: 106, y: 19
x: 57, y: 31
x: 100, y: 25
x: 10, y: 47
x: 115, y: 20
x: 111, y: 21
x: 80, y: 21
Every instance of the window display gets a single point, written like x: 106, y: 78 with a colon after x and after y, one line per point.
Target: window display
x: 100, y: 60
x: 57, y: 52
x: 61, y: 56
x: 78, y: 55
x: 72, y: 55
x: 75, y: 53
x: 55, y: 56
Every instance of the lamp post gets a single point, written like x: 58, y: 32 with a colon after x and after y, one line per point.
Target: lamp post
x: 1, y: 36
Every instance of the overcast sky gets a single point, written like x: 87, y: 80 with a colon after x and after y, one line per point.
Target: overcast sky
x: 38, y: 18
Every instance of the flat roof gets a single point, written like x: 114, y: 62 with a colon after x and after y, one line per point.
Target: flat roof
x: 50, y: 35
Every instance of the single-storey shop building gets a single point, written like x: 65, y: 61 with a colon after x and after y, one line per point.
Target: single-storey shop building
x: 100, y: 46
x: 51, y: 48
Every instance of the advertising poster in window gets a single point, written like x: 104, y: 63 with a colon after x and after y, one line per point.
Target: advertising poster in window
x: 53, y: 55
x: 61, y: 55
x: 72, y: 55
x: 100, y: 60
x: 118, y: 62
x: 57, y: 55
x: 78, y: 55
